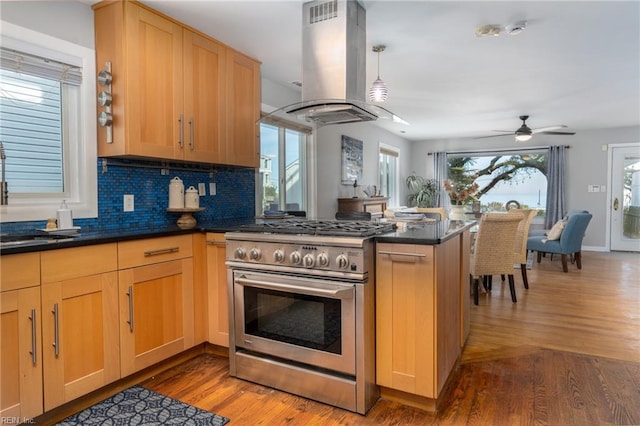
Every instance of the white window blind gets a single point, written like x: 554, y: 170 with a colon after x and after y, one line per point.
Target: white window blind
x: 32, y: 96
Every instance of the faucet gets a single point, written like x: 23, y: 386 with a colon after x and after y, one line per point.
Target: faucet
x: 4, y: 191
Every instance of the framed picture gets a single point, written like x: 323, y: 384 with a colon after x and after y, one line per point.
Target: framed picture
x: 351, y: 160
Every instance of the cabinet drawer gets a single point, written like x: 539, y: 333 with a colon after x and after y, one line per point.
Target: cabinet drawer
x: 153, y: 250
x: 373, y: 208
x: 76, y: 262
x: 19, y: 271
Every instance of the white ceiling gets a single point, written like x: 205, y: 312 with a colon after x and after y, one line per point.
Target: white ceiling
x: 577, y: 63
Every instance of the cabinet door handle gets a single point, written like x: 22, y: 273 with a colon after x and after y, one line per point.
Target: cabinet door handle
x: 397, y: 253
x: 217, y: 242
x: 130, y: 321
x: 191, y: 134
x: 161, y: 251
x: 34, y: 357
x: 181, y: 139
x: 56, y: 330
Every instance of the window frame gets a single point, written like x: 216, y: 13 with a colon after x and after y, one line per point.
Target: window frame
x: 393, y: 151
x: 80, y: 150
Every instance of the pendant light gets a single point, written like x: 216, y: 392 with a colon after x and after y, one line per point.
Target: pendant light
x: 378, y: 91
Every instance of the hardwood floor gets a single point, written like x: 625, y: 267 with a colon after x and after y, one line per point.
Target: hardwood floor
x: 568, y: 353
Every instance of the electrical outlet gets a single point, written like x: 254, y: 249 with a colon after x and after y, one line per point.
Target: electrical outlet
x: 128, y: 203
x: 202, y: 191
x: 212, y: 188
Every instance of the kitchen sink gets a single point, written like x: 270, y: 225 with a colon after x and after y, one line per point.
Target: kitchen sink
x: 17, y: 240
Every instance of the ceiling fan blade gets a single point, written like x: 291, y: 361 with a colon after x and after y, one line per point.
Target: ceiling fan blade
x: 507, y: 132
x: 546, y: 129
x: 493, y: 136
x: 558, y: 133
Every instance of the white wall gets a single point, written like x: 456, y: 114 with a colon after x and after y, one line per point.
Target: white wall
x: 68, y: 20
x: 587, y: 164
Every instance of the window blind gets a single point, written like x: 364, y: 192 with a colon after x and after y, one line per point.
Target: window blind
x: 24, y: 63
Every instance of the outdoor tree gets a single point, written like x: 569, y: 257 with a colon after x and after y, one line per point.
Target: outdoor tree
x: 501, y: 168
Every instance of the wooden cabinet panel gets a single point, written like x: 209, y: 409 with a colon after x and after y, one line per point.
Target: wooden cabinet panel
x: 20, y: 352
x: 64, y: 264
x: 217, y: 290
x: 405, y: 315
x: 204, y: 96
x: 153, y: 250
x: 156, y: 313
x: 376, y: 205
x: 19, y: 271
x: 80, y: 335
x: 243, y: 106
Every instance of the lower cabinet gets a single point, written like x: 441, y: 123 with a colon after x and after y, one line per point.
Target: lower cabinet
x: 20, y: 348
x: 417, y: 316
x: 217, y: 290
x: 156, y: 300
x: 81, y: 350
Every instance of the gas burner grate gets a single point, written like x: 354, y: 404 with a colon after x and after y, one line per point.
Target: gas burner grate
x: 321, y: 227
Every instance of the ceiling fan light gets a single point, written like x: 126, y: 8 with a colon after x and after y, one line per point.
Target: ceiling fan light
x: 523, y: 137
x: 378, y: 91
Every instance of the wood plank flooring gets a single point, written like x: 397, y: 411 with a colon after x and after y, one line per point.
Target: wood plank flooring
x: 568, y: 353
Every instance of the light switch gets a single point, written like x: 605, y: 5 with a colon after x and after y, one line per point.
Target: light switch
x: 128, y: 203
x: 202, y: 190
x: 212, y: 188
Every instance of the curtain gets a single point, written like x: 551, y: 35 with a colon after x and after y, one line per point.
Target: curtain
x: 556, y: 184
x: 440, y: 174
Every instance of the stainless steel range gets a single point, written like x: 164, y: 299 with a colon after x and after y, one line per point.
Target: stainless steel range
x: 302, y: 308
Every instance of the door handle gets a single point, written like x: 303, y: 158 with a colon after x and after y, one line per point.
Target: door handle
x: 615, y: 204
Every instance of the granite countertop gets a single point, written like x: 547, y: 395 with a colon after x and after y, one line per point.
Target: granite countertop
x: 426, y: 233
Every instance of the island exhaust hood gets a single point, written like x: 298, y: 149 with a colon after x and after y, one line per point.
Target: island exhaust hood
x: 334, y: 65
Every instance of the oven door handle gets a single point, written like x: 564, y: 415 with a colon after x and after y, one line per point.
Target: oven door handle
x: 339, y: 293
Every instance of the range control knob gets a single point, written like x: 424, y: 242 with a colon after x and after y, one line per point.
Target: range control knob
x: 255, y: 254
x: 295, y: 258
x: 323, y: 260
x: 278, y: 256
x: 343, y: 261
x: 308, y: 261
x: 240, y: 253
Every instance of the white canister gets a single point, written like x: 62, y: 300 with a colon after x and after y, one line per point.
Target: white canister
x: 191, y: 198
x: 176, y: 193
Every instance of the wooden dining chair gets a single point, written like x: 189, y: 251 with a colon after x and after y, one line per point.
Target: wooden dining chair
x: 493, y: 249
x: 433, y: 210
x: 520, y: 249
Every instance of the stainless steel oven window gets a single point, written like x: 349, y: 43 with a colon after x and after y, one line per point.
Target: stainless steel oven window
x: 302, y: 320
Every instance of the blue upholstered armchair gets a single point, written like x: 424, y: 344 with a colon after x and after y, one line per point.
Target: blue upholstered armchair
x: 570, y: 242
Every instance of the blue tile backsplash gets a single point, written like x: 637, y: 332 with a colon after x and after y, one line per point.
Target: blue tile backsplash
x: 235, y: 197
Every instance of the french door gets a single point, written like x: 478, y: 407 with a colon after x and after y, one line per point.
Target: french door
x: 625, y: 198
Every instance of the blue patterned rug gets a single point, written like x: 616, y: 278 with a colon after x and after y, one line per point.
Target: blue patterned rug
x: 141, y: 406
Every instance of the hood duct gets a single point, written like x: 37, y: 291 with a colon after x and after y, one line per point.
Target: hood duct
x: 334, y: 65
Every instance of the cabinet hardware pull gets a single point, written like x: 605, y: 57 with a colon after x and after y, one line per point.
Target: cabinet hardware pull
x: 181, y: 140
x: 130, y: 321
x: 217, y: 242
x: 56, y: 330
x: 191, y: 141
x: 161, y: 251
x: 397, y: 253
x: 34, y: 357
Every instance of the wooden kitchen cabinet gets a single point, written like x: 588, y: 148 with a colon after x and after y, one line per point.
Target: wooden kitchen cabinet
x: 417, y: 319
x: 155, y: 280
x: 217, y: 290
x: 81, y: 350
x: 374, y: 205
x: 177, y: 94
x: 20, y: 333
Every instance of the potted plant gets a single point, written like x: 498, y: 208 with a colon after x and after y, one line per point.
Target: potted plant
x: 423, y: 192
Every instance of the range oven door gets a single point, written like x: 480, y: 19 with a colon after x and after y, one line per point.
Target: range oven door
x: 300, y: 319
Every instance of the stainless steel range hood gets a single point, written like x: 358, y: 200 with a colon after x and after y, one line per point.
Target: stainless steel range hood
x: 334, y: 65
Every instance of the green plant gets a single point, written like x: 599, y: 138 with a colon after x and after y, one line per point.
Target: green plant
x: 423, y: 192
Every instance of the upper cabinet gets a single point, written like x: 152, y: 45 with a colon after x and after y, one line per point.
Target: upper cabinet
x: 176, y: 93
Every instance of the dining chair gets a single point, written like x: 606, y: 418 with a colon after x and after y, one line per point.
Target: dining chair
x: 520, y: 249
x: 493, y: 249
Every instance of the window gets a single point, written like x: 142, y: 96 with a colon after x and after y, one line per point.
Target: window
x: 282, y: 184
x: 388, y: 174
x: 503, y: 176
x: 47, y: 125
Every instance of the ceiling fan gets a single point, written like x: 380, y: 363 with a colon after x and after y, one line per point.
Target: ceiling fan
x: 524, y: 132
